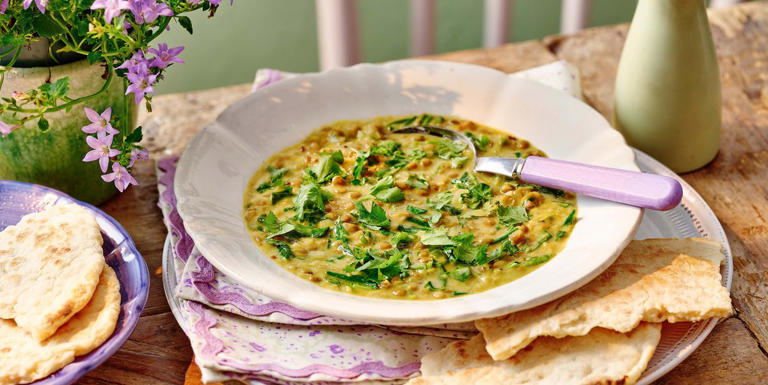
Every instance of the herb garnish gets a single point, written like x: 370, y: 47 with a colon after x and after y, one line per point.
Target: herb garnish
x: 282, y: 247
x: 477, y: 193
x: 328, y: 166
x: 512, y: 215
x: 286, y: 192
x: 310, y: 202
x: 375, y: 219
x: 275, y: 178
x: 385, y: 190
x: 418, y: 182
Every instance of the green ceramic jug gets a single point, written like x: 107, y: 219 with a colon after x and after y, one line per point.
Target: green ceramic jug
x: 667, y: 96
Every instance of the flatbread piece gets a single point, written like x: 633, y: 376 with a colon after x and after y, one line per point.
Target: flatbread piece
x: 652, y: 280
x: 600, y: 357
x: 50, y: 264
x: 24, y: 359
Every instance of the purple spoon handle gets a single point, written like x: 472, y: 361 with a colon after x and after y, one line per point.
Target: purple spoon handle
x: 633, y: 188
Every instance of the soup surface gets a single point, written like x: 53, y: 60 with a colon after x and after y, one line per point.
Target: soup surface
x: 356, y: 208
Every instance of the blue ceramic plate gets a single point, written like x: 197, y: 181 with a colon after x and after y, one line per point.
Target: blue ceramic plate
x: 18, y: 199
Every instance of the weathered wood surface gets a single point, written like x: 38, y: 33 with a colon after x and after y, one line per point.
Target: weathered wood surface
x: 735, y: 185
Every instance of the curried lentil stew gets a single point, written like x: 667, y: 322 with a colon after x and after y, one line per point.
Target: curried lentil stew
x: 356, y: 208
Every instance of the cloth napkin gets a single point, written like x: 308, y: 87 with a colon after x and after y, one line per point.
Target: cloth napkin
x: 238, y: 334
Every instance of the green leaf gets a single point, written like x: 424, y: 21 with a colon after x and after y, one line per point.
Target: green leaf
x: 436, y: 237
x: 418, y: 182
x: 185, y: 23
x: 273, y: 226
x: 512, y: 215
x: 46, y: 27
x: 446, y: 149
x: 548, y: 190
x: 560, y: 234
x: 286, y: 192
x: 310, y: 202
x: 360, y: 162
x: 569, y: 219
x: 282, y: 247
x: 477, y: 195
x: 59, y: 88
x: 422, y: 223
x: 93, y: 57
x: 415, y: 210
x: 537, y: 260
x: 386, y: 148
x: 357, y: 280
x: 506, y: 249
x: 310, y: 231
x: 441, y: 201
x: 465, y: 250
x: 135, y: 136
x: 461, y: 274
x: 275, y: 175
x: 375, y: 219
x: 339, y: 233
x: 42, y: 124
x: 480, y: 141
x: 402, y: 122
x: 385, y: 190
x: 401, y: 239
x: 505, y: 236
x: 545, y: 236
x: 328, y: 166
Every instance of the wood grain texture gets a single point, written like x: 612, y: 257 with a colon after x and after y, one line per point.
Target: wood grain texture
x: 735, y: 184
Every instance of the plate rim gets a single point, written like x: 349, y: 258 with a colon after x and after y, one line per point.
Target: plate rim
x: 80, y: 367
x: 210, y: 131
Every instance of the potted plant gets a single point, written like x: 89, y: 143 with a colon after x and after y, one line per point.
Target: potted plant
x: 72, y: 73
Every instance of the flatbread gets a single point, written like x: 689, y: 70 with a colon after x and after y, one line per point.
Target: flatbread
x: 653, y: 280
x: 24, y: 359
x: 50, y: 264
x: 600, y: 357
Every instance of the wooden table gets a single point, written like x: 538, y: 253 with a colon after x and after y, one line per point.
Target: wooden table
x: 735, y: 184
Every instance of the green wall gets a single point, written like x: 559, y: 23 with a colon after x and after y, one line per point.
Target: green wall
x: 251, y: 34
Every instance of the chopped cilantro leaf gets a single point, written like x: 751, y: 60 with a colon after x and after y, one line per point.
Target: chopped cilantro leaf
x: 357, y: 280
x: 477, y: 193
x: 387, y: 148
x: 560, y: 234
x: 537, y: 260
x: 545, y: 236
x: 286, y: 192
x: 443, y: 202
x: 415, y: 210
x: 418, y: 182
x: 447, y: 149
x: 401, y: 239
x: 360, y: 162
x: 512, y: 215
x: 436, y: 237
x: 375, y: 219
x: 328, y: 166
x: 310, y: 202
x: 385, y: 190
x: 480, y: 141
x: 310, y: 231
x: 275, y: 178
x: 505, y: 236
x: 282, y: 247
x: 507, y: 248
x: 461, y: 274
x: 402, y: 122
x: 548, y: 190
x: 422, y: 223
x: 339, y: 233
x: 569, y: 219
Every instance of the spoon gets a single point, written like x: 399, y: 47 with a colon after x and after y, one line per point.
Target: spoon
x: 632, y: 188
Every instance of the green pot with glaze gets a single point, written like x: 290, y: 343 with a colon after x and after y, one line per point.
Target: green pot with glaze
x: 54, y: 157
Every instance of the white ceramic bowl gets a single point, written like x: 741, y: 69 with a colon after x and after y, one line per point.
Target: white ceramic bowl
x: 215, y: 169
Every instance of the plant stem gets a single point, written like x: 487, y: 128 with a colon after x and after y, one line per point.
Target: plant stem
x: 10, y: 64
x: 74, y: 101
